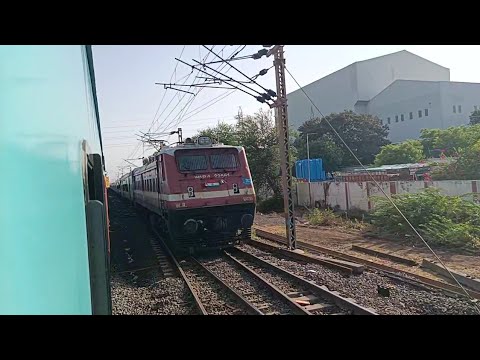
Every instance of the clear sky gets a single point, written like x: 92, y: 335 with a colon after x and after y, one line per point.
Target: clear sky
x: 129, y: 99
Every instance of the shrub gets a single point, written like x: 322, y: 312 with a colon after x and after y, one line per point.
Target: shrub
x: 272, y: 204
x: 442, y: 220
x: 327, y: 217
x: 324, y: 217
x: 410, y: 151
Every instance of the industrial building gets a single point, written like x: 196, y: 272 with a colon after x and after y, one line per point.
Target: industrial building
x: 407, y: 92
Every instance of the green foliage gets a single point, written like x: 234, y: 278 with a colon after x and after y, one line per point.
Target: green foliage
x: 327, y: 217
x: 452, y: 139
x: 222, y: 133
x: 364, y: 134
x: 324, y: 217
x: 475, y: 117
x: 465, y: 167
x: 442, y: 220
x: 410, y: 151
x: 258, y: 135
x: 331, y: 154
x: 273, y: 204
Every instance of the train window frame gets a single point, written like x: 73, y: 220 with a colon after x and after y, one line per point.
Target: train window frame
x: 235, y: 157
x: 204, y: 155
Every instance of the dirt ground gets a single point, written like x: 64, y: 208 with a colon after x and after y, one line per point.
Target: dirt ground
x: 341, y: 239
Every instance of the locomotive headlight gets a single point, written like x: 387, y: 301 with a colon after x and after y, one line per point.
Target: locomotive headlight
x: 204, y: 140
x: 247, y: 220
x: 190, y: 226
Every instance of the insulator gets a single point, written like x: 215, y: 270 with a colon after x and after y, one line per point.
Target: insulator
x: 260, y: 98
x: 267, y: 97
x: 260, y: 53
x: 271, y: 93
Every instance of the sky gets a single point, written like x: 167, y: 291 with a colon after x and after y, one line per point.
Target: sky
x: 130, y: 101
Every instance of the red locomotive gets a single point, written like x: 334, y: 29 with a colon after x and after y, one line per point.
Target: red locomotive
x: 200, y: 193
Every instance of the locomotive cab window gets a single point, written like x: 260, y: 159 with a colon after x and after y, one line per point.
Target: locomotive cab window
x: 224, y: 161
x: 192, y: 162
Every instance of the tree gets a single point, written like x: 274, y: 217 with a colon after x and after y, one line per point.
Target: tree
x: 258, y: 135
x: 451, y: 140
x: 223, y: 133
x: 364, y: 134
x: 331, y: 154
x: 475, y: 117
x: 410, y: 151
x: 465, y: 167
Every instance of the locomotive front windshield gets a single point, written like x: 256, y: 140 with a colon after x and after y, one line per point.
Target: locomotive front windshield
x: 223, y: 161
x: 192, y: 162
x: 214, y: 160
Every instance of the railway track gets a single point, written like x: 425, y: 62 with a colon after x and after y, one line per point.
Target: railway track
x: 216, y: 296
x: 268, y: 300
x: 236, y: 282
x: 306, y: 296
x: 394, y: 273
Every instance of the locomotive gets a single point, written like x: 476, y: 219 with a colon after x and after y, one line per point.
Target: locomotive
x: 199, y: 193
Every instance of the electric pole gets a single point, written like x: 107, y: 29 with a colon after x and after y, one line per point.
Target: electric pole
x: 281, y: 118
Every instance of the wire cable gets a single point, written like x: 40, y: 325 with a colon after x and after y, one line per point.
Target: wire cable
x: 179, y: 116
x: 233, y: 67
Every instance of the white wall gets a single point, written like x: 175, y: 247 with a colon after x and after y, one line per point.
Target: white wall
x: 458, y: 93
x: 403, y: 97
x: 333, y: 93
x: 348, y: 195
x: 376, y: 74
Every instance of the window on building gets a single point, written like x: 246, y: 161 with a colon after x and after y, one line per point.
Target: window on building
x: 411, y: 115
x: 402, y: 118
x: 426, y: 112
x: 388, y: 120
x: 419, y: 113
x: 454, y: 109
x: 459, y: 108
x: 396, y: 118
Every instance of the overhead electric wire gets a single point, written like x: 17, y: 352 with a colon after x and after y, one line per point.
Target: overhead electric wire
x: 233, y: 67
x: 183, y: 62
x: 154, y: 119
x: 181, y: 100
x: 180, y: 117
x: 174, y: 72
x: 384, y: 193
x: 161, y: 101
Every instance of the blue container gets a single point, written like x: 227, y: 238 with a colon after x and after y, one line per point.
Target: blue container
x: 316, y: 170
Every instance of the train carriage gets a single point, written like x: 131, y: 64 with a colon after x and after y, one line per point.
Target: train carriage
x: 53, y: 210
